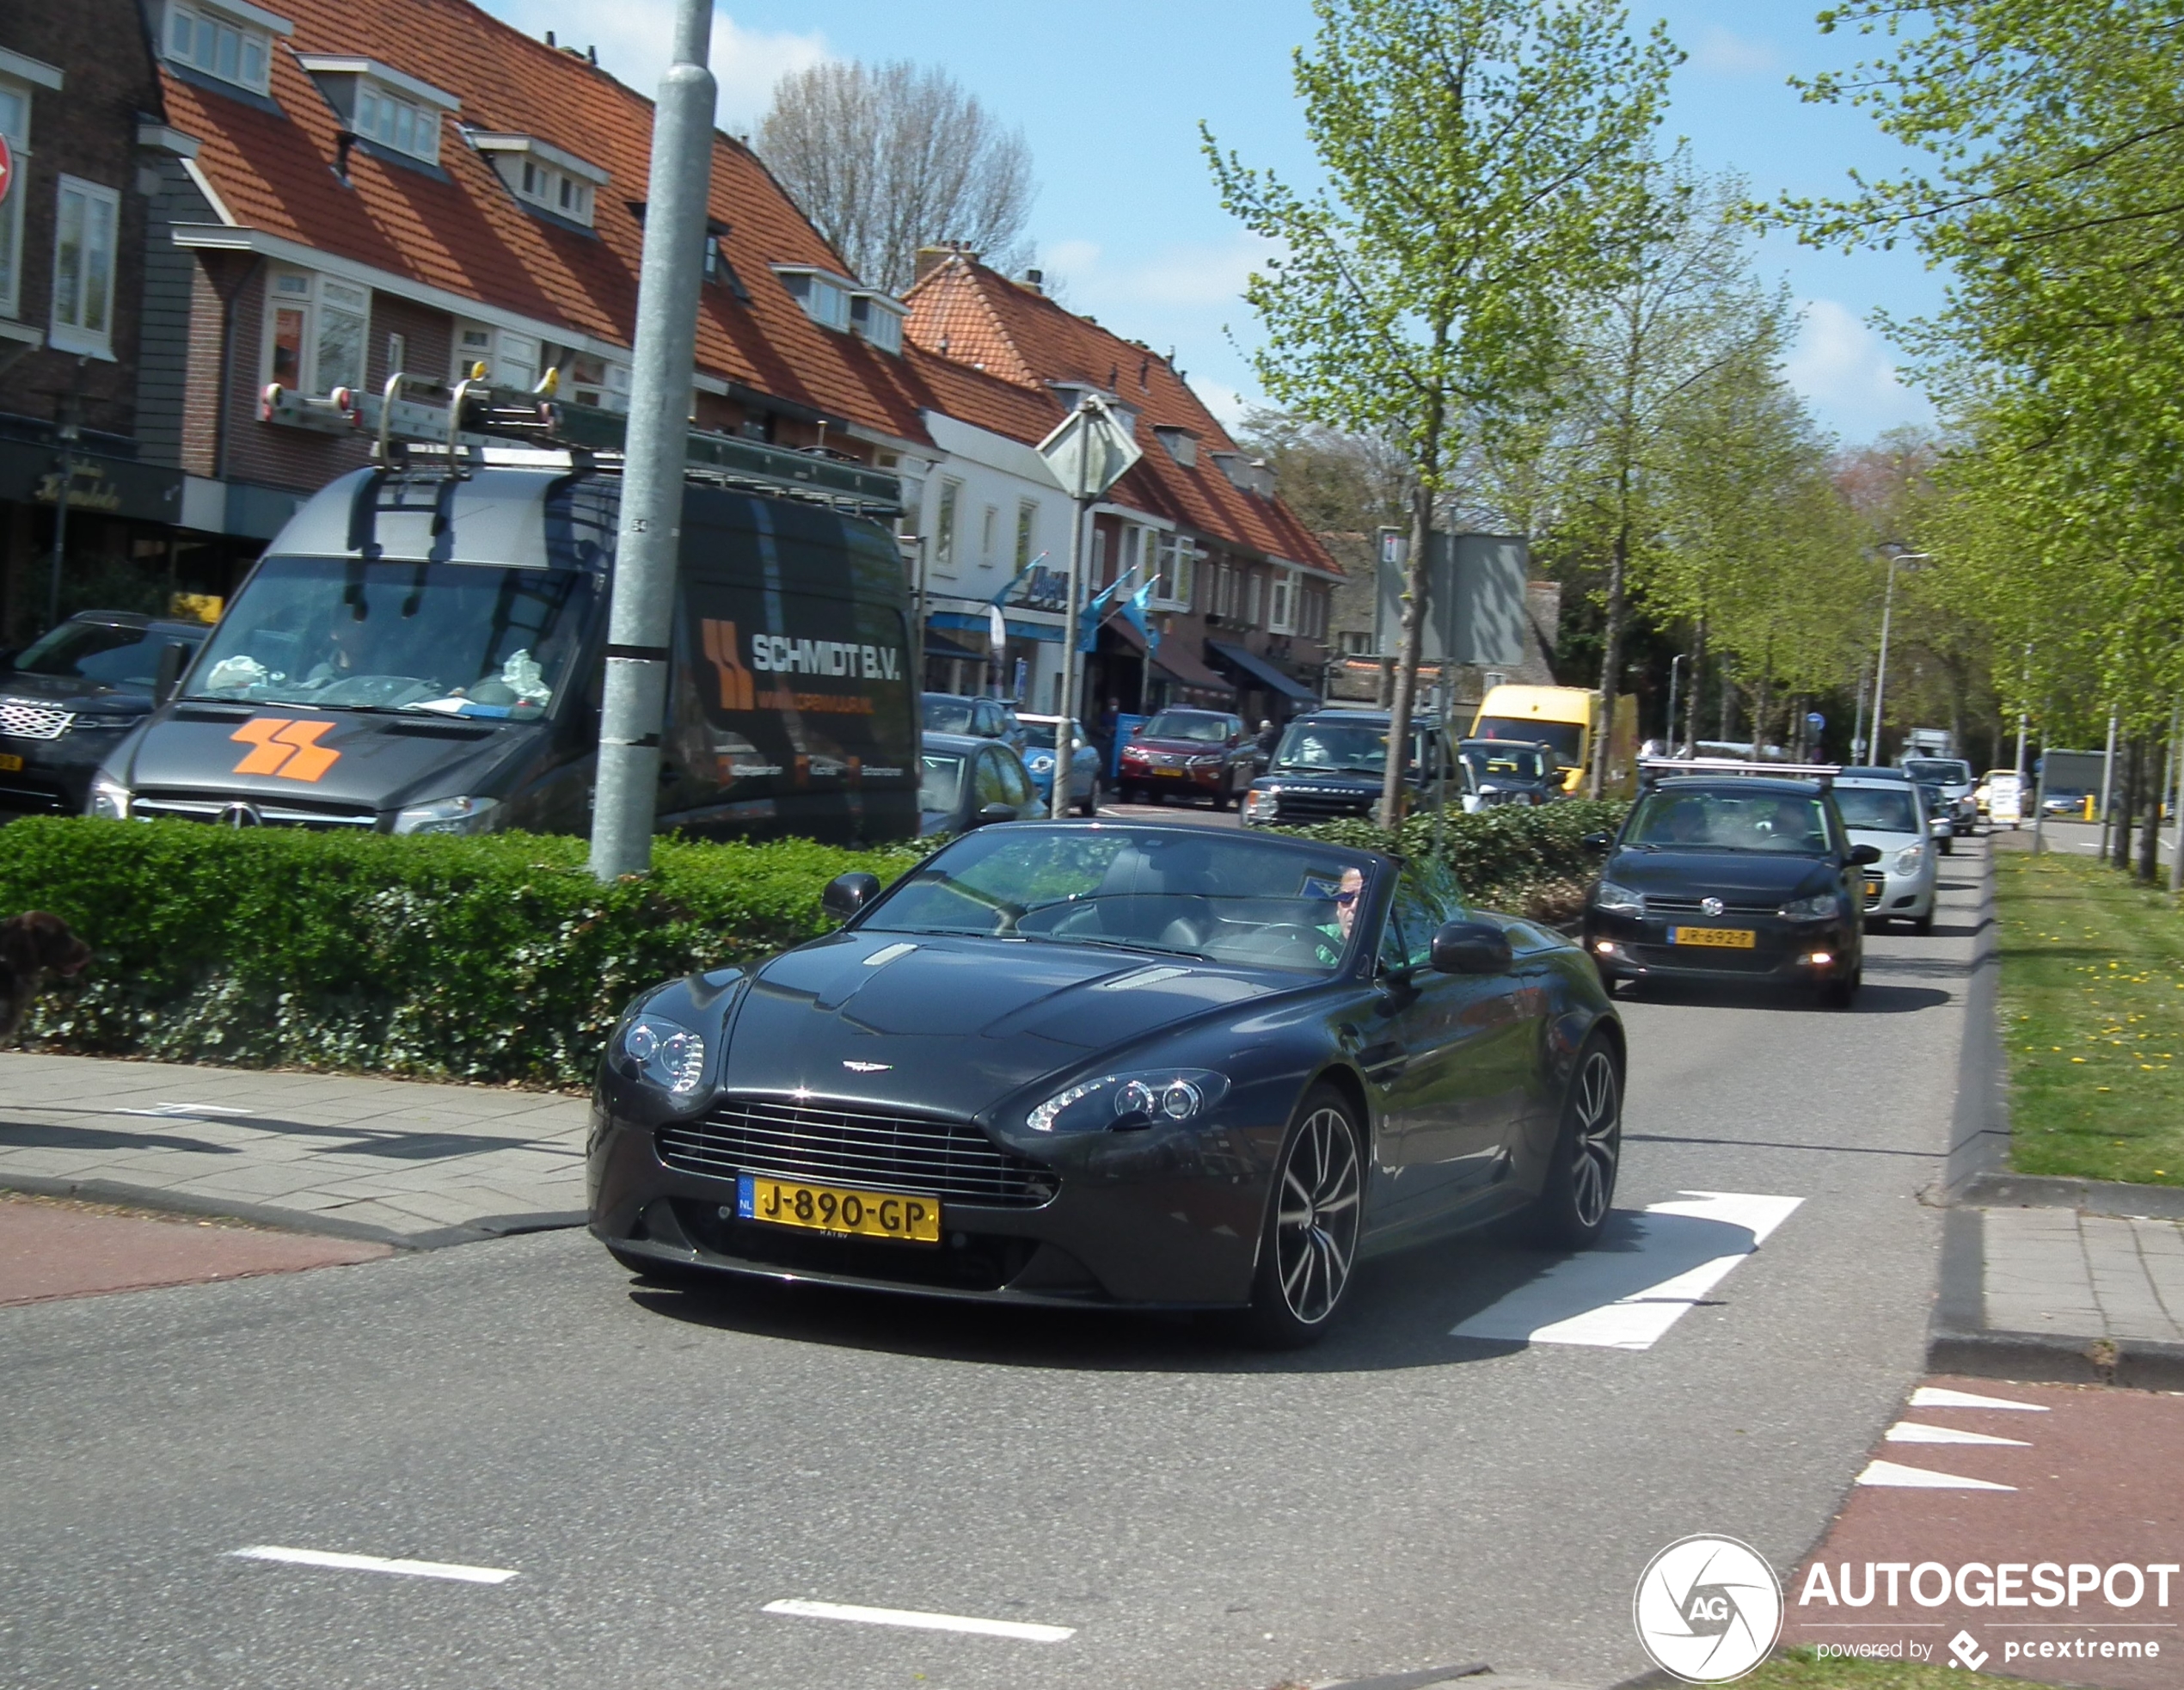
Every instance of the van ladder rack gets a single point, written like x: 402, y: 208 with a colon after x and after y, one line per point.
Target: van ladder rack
x: 1651, y: 769
x: 419, y: 418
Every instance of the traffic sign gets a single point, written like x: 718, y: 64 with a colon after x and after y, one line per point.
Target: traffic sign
x: 1091, y: 450
x: 1815, y: 721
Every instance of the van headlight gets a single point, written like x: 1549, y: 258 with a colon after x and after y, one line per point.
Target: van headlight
x: 1128, y: 1100
x: 1617, y: 900
x: 109, y: 799
x: 666, y: 1053
x: 448, y: 815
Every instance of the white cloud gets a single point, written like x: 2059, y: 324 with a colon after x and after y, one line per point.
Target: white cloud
x: 1844, y: 371
x: 1191, y: 274
x: 634, y: 38
x: 1227, y: 404
x: 1732, y: 55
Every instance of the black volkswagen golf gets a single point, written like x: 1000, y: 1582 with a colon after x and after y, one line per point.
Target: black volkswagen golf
x: 1727, y: 875
x: 1131, y: 1064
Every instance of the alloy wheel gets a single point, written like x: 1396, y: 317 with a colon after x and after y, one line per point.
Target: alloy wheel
x: 1315, y: 1227
x: 1596, y: 1139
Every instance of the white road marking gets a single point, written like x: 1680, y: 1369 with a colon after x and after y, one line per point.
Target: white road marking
x: 1933, y: 1395
x: 1909, y: 1431
x: 373, y: 1563
x: 186, y: 1110
x: 1890, y: 1474
x: 1627, y: 1299
x: 923, y: 1622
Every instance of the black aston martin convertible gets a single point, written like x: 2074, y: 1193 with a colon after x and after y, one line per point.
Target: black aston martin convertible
x: 1115, y: 1063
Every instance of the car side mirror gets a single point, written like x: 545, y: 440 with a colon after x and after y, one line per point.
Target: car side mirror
x: 995, y: 813
x: 1597, y: 843
x: 173, y: 658
x: 1470, y: 947
x: 846, y: 894
x: 1864, y: 856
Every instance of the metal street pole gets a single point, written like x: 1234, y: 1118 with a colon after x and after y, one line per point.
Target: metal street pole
x: 2176, y: 810
x: 1072, y: 667
x: 642, y: 613
x: 2108, y: 785
x: 1880, y: 675
x: 2039, y: 802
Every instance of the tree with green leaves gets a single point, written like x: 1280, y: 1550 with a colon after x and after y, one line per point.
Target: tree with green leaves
x: 1484, y: 161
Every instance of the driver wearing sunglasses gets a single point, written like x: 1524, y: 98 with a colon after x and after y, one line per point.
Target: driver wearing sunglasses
x: 1335, y: 934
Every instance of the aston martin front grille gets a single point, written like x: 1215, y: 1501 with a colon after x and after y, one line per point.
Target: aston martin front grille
x: 832, y: 1143
x: 19, y: 721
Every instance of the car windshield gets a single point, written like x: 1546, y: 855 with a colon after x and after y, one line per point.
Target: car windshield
x: 946, y: 715
x: 1877, y: 809
x: 1038, y: 732
x: 1186, y: 725
x: 1729, y: 820
x: 1519, y: 762
x: 1562, y: 738
x: 97, y: 651
x: 940, y: 781
x: 1944, y: 771
x: 1359, y: 746
x: 1224, y: 898
x: 456, y: 639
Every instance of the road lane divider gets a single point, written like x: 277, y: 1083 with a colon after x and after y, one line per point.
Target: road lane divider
x: 910, y: 1618
x: 1894, y: 1476
x: 374, y: 1564
x: 1651, y: 1267
x: 1912, y: 1431
x: 1935, y: 1396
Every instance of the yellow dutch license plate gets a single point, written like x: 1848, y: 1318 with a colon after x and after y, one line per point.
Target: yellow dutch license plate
x: 833, y: 1208
x: 1721, y: 938
x: 1172, y: 774
x: 10, y: 763
x: 1873, y: 889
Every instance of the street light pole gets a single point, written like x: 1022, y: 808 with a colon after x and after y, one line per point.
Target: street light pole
x: 639, y: 615
x: 1897, y: 554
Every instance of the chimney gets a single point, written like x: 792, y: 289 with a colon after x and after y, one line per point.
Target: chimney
x: 549, y: 38
x: 930, y: 258
x: 1035, y: 280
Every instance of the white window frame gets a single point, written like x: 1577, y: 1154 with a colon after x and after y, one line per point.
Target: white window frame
x: 1254, y: 596
x: 824, y: 298
x: 946, y: 509
x: 877, y: 318
x: 1027, y: 532
x: 989, y: 533
x: 315, y: 300
x: 401, y: 116
x: 1281, y: 601
x: 18, y: 193
x: 1172, y: 571
x: 78, y: 333
x: 249, y: 66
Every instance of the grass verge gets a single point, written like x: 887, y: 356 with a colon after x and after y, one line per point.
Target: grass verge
x: 1799, y: 1670
x: 2092, y: 1005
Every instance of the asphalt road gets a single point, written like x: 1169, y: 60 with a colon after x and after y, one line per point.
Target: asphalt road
x: 656, y: 1467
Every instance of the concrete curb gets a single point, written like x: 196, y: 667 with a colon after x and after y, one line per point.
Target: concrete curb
x: 1979, y: 1124
x: 2004, y: 1190
x: 292, y: 1221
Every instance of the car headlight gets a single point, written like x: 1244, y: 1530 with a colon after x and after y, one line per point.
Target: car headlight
x: 1128, y: 1100
x: 1909, y: 858
x: 1261, y: 806
x: 1820, y: 906
x: 1206, y: 762
x: 666, y: 1053
x: 1038, y: 763
x: 109, y: 799
x: 1617, y: 900
x: 447, y: 815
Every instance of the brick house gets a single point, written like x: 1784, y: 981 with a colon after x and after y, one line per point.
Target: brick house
x: 79, y: 110
x: 1240, y: 595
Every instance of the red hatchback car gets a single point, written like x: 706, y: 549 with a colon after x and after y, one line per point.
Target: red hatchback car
x: 1188, y: 753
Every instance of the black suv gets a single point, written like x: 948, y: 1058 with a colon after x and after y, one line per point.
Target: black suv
x: 1732, y: 877
x: 66, y: 700
x: 1332, y: 763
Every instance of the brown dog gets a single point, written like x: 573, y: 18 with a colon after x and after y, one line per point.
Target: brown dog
x: 30, y: 945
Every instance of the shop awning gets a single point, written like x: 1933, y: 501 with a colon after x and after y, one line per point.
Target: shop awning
x: 1259, y: 669
x: 972, y: 623
x: 1174, y: 659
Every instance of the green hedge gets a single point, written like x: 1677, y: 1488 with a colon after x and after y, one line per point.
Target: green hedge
x: 1527, y: 859
x: 496, y: 958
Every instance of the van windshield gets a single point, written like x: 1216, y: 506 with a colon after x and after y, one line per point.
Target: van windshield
x: 456, y: 639
x: 1564, y: 739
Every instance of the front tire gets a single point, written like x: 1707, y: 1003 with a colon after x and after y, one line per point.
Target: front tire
x: 1572, y: 1209
x: 1309, y: 1243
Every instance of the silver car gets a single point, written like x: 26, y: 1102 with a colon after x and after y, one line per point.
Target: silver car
x: 1953, y: 775
x: 1891, y: 816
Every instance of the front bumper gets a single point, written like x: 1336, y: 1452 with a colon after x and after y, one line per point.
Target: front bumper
x: 1154, y: 1219
x: 1169, y: 778
x: 55, y: 775
x: 1628, y: 947
x: 1895, y: 894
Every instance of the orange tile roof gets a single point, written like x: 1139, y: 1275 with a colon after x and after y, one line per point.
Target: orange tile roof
x: 464, y: 233
x: 1013, y: 333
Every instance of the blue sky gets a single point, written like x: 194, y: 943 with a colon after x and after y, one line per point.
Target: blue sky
x: 1110, y: 97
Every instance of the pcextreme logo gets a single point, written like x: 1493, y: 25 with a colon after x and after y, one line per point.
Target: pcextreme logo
x: 284, y: 746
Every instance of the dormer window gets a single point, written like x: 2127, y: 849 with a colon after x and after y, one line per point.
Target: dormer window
x: 826, y: 299
x: 541, y: 176
x: 717, y: 266
x: 381, y: 104
x: 1181, y: 443
x: 231, y: 39
x: 878, y: 319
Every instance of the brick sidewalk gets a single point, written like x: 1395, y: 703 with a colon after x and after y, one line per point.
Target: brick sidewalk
x: 398, y: 1161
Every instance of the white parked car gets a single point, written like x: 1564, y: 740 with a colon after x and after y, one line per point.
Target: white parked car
x: 1890, y: 815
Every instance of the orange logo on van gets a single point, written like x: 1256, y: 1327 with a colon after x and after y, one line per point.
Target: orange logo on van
x: 737, y: 691
x: 285, y: 748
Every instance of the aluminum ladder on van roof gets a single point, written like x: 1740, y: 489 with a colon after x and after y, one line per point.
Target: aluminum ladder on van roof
x: 425, y: 430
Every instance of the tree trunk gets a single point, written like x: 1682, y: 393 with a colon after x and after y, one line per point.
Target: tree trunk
x: 2120, y: 840
x: 2150, y: 838
x: 1611, y: 644
x: 1691, y: 736
x: 1414, y: 623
